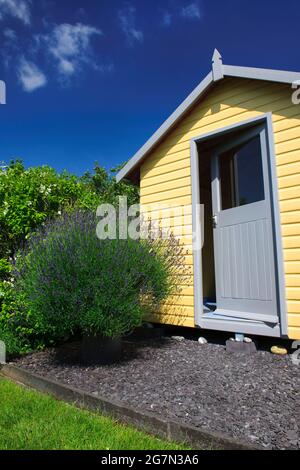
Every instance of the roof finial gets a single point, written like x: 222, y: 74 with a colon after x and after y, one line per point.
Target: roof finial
x: 217, y: 66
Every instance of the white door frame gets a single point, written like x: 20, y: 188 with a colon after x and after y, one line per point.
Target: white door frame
x: 236, y: 325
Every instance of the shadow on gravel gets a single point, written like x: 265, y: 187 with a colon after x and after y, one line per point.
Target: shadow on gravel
x: 133, y: 346
x: 69, y: 354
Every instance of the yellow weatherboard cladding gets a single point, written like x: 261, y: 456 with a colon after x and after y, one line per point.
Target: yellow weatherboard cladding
x: 166, y: 177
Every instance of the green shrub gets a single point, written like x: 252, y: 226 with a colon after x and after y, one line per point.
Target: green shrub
x: 17, y: 328
x: 28, y: 198
x: 74, y: 282
x: 5, y: 269
x: 12, y: 343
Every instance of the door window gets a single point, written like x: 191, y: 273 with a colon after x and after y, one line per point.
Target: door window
x: 241, y: 175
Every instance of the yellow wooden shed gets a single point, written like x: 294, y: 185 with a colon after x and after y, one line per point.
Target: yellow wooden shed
x: 233, y: 148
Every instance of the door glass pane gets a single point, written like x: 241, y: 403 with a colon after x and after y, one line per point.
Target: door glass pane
x: 241, y: 175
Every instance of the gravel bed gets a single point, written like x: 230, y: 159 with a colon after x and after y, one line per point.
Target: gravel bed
x: 255, y: 398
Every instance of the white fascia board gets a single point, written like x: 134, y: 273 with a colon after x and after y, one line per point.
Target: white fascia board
x: 269, y: 75
x: 278, y: 76
x: 166, y: 126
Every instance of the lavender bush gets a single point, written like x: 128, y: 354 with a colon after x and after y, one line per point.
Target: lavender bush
x: 74, y: 282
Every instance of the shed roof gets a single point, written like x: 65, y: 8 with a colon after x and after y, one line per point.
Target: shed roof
x: 218, y: 72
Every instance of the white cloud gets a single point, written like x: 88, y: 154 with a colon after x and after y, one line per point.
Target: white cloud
x: 70, y: 46
x: 191, y: 11
x: 19, y: 9
x: 30, y: 76
x: 127, y: 24
x: 10, y: 34
x: 167, y: 19
x: 9, y: 47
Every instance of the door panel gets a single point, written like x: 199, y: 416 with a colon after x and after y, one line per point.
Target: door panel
x: 243, y: 235
x: 246, y: 261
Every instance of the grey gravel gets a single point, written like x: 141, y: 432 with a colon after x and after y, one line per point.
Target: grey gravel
x: 254, y: 398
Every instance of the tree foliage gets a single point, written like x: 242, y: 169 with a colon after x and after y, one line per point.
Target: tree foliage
x: 28, y: 197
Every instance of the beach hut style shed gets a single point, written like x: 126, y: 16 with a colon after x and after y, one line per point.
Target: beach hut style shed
x: 234, y: 146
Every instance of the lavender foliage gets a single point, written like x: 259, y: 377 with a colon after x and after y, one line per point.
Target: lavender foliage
x: 74, y: 282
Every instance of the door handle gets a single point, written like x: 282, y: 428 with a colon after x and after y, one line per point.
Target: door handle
x: 215, y: 220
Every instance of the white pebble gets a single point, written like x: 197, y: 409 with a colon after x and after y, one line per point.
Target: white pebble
x: 202, y: 340
x: 178, y: 338
x: 247, y: 340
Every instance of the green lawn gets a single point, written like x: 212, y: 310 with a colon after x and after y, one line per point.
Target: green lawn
x: 30, y: 420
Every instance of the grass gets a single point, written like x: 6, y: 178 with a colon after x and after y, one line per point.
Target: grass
x: 30, y: 420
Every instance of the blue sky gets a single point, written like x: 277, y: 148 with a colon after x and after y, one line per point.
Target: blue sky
x: 91, y: 80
